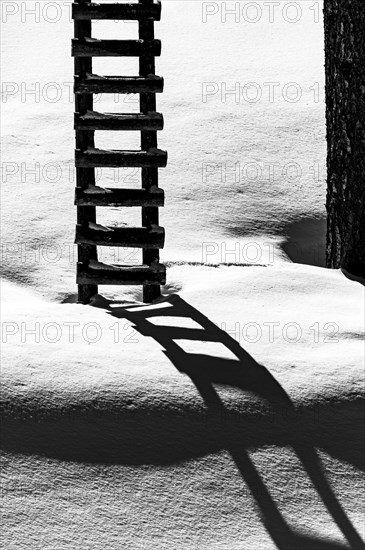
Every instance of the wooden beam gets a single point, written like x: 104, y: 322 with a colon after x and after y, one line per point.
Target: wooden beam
x: 95, y: 84
x: 93, y: 47
x: 92, y: 157
x: 98, y: 196
x: 126, y: 237
x: 92, y: 120
x: 121, y: 275
x: 127, y: 12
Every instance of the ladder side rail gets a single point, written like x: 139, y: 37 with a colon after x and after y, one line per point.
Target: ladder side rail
x: 150, y: 215
x: 84, y: 176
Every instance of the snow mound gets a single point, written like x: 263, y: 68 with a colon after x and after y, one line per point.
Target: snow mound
x: 227, y: 416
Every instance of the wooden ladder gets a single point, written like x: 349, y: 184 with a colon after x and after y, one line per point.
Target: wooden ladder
x: 150, y: 237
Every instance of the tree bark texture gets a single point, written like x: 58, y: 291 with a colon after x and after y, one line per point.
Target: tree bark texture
x: 344, y: 23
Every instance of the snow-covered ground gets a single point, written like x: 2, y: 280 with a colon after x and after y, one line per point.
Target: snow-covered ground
x: 245, y: 168
x: 169, y: 426
x: 228, y: 416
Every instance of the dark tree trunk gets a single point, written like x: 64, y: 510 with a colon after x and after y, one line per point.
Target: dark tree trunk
x: 344, y: 22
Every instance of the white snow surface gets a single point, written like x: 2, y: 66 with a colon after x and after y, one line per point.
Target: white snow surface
x: 227, y: 416
x: 245, y: 173
x: 96, y: 190
x: 163, y: 426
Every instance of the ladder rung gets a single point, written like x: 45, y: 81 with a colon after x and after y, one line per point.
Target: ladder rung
x: 103, y: 274
x: 92, y: 158
x: 93, y: 47
x: 96, y: 84
x: 128, y: 237
x: 98, y: 196
x: 92, y: 120
x: 88, y: 11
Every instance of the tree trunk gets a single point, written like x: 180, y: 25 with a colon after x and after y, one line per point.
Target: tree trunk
x: 344, y: 23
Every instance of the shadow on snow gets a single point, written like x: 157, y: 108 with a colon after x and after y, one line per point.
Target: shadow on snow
x: 158, y: 437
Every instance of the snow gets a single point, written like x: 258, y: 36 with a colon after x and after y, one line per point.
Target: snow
x: 100, y: 265
x: 164, y: 426
x: 96, y: 190
x: 228, y: 184
x: 98, y: 227
x: 155, y: 189
x: 121, y: 443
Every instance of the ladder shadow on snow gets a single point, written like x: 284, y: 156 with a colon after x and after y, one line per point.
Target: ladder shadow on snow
x: 245, y: 373
x: 102, y: 432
